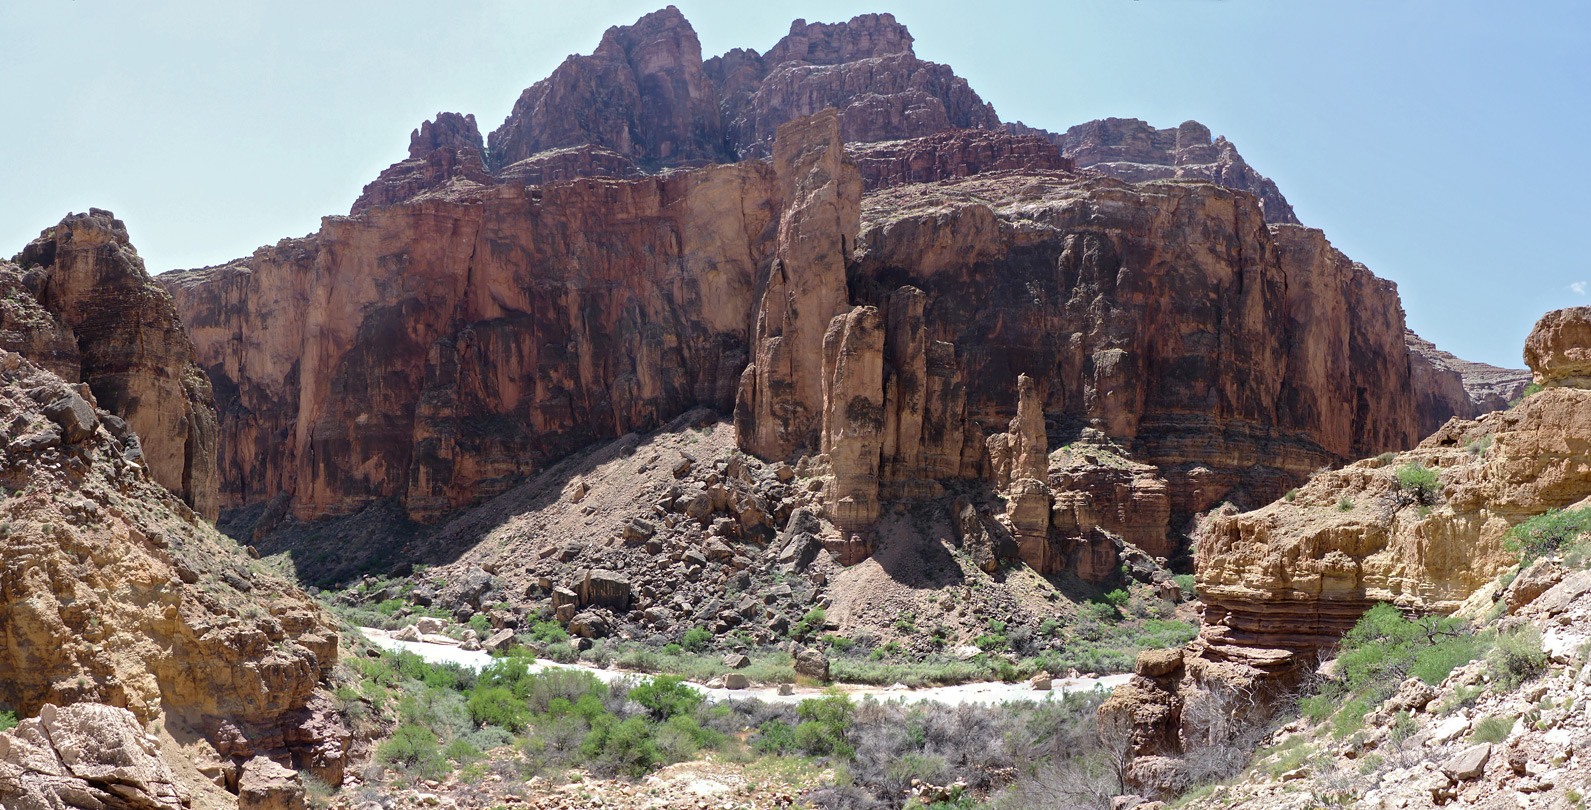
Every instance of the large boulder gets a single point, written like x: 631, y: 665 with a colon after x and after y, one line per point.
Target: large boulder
x: 813, y: 664
x: 265, y: 785
x: 606, y: 588
x: 1559, y: 348
x: 88, y: 756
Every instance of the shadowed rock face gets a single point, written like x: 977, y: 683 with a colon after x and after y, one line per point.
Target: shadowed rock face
x: 101, y: 319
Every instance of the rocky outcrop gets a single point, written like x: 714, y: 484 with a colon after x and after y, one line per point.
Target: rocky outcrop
x: 1558, y: 350
x: 445, y: 154
x: 86, y: 756
x: 953, y: 153
x: 646, y: 94
x: 865, y: 68
x: 642, y: 93
x: 781, y: 397
x: 1447, y: 387
x: 1134, y: 151
x: 85, y: 308
x: 1282, y: 583
x: 114, y: 591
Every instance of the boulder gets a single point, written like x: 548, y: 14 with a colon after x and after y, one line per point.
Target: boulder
x: 737, y: 661
x: 813, y: 664
x: 75, y: 417
x: 1535, y: 580
x: 1158, y: 663
x: 588, y: 625
x: 605, y: 588
x: 430, y: 625
x: 86, y: 755
x: 735, y: 680
x: 500, y: 641
x: 407, y: 633
x: 1559, y: 349
x: 1469, y: 763
x: 265, y: 785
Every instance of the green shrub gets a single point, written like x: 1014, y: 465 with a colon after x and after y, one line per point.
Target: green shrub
x: 1492, y: 729
x: 1344, y: 504
x: 8, y: 720
x: 1381, y: 651
x: 1049, y: 627
x: 667, y: 696
x: 672, y: 649
x: 548, y: 632
x: 1187, y: 582
x: 414, y: 748
x: 1118, y: 598
x: 1523, y: 395
x: 1547, y: 533
x: 1418, y: 480
x: 824, y: 722
x: 1387, y: 457
x: 623, y: 747
x: 775, y: 737
x: 480, y: 624
x: 1517, y: 658
x: 1290, y: 495
x: 696, y: 639
x: 497, y: 706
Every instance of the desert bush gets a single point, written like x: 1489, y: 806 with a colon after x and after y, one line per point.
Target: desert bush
x: 1548, y: 533
x: 666, y: 697
x: 8, y: 720
x: 696, y: 639
x: 1418, y: 480
x: 1517, y: 658
x: 414, y: 748
x: 1381, y: 651
x: 1532, y: 388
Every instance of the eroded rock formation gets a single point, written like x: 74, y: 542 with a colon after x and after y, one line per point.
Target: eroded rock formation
x: 1135, y: 151
x: 113, y: 591
x: 83, y: 306
x: 88, y: 757
x: 1284, y: 582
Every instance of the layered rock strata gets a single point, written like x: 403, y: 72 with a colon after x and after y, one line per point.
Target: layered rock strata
x: 953, y: 153
x: 82, y: 305
x: 1282, y: 583
x: 86, y: 757
x: 1134, y: 151
x: 113, y: 591
x: 437, y: 352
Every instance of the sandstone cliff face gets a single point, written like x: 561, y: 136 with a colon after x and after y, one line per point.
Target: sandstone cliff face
x: 82, y: 305
x: 436, y: 352
x: 113, y: 591
x: 780, y: 397
x: 1160, y: 315
x: 1134, y: 151
x: 1286, y: 581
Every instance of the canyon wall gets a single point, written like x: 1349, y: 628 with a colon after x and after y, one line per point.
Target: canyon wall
x: 487, y: 308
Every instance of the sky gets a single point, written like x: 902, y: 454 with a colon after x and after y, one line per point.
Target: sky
x: 1440, y: 142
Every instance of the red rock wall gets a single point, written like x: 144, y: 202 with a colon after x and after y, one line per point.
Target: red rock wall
x: 437, y: 351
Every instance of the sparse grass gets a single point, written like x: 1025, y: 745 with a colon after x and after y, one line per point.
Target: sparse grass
x: 1548, y: 533
x: 1493, y: 729
x: 1344, y: 504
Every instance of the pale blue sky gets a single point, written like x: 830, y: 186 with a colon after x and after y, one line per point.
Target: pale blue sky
x: 1441, y: 142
